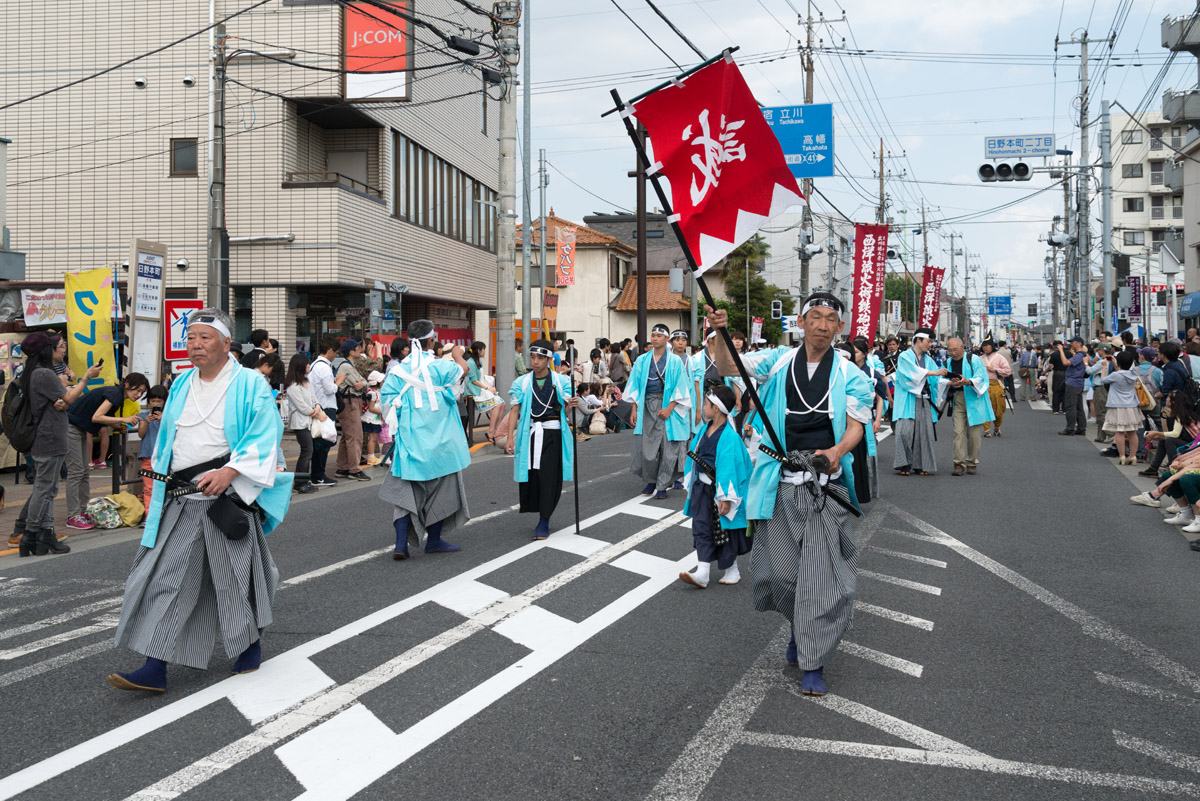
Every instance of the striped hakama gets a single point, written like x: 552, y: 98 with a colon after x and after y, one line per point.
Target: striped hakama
x: 656, y: 458
x: 914, y: 439
x: 805, y: 566
x: 443, y: 498
x: 194, y: 585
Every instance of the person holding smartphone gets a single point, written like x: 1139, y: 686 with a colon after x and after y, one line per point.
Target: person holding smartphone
x: 147, y: 428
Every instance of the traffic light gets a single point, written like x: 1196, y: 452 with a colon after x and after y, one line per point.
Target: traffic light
x: 1018, y: 171
x: 777, y: 310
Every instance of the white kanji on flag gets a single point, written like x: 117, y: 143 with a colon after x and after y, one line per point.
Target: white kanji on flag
x: 715, y: 152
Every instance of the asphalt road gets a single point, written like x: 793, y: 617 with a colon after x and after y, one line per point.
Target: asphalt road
x: 1026, y: 633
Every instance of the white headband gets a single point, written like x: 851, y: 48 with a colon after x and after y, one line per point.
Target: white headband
x: 676, y: 334
x: 827, y: 303
x: 430, y: 335
x: 920, y: 335
x: 711, y: 398
x: 212, y: 322
x: 540, y: 351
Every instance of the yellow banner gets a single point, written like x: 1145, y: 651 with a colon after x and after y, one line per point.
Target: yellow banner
x: 89, y: 324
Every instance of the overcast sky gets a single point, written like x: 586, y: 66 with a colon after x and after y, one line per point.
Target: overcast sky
x: 932, y: 104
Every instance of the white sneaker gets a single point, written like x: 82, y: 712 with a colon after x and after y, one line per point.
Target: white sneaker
x: 1181, y: 519
x: 1192, y: 528
x: 1172, y: 509
x: 1146, y: 499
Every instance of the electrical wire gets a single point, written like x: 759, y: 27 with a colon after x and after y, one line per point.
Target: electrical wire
x: 127, y: 62
x: 617, y: 206
x: 678, y: 32
x: 648, y: 36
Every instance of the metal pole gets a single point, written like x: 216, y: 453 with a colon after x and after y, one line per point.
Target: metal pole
x: 526, y: 191
x: 506, y: 268
x: 1083, y: 263
x: 547, y: 269
x: 806, y: 212
x: 1106, y: 212
x: 953, y: 327
x: 217, y: 235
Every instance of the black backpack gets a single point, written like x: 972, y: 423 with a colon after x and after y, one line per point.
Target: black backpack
x: 17, y: 416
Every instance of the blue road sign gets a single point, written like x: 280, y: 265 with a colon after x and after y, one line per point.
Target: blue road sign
x: 999, y: 304
x: 806, y: 134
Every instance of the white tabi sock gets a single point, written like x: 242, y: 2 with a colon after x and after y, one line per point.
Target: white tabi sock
x: 701, y: 573
x: 732, y: 575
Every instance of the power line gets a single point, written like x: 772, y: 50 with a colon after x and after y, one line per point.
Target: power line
x: 678, y: 32
x: 585, y: 189
x: 648, y: 37
x: 126, y: 63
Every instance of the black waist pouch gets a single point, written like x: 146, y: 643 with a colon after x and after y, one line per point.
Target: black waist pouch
x: 230, y: 517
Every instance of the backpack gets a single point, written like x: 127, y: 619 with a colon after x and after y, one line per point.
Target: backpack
x: 16, y: 414
x: 1145, y: 400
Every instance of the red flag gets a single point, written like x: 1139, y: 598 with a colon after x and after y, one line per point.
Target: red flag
x: 931, y: 296
x: 726, y: 169
x: 870, y: 259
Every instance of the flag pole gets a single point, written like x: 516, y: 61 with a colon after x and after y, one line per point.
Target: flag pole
x: 687, y: 251
x: 575, y: 444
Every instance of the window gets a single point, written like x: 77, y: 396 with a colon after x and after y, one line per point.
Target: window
x: 183, y: 157
x: 433, y: 193
x: 1133, y: 137
x: 1131, y: 170
x: 1156, y: 142
x: 1133, y: 204
x: 1135, y: 237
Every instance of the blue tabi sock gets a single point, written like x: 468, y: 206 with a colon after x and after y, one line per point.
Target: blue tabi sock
x: 543, y: 529
x: 435, y: 543
x: 250, y: 659
x: 401, y: 526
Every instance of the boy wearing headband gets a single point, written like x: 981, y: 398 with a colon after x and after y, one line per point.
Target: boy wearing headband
x: 804, y: 562
x: 717, y: 477
x: 679, y: 346
x: 658, y: 390
x: 917, y: 377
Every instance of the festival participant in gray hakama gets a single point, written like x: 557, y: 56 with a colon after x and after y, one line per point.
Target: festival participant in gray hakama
x: 204, y: 571
x: 917, y: 377
x: 804, y: 561
x: 658, y: 388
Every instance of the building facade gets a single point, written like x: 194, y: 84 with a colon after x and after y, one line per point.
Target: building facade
x: 346, y: 214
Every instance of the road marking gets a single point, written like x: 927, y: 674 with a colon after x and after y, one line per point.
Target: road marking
x: 889, y: 614
x: 103, y: 624
x: 53, y: 663
x: 880, y: 658
x: 984, y: 764
x: 909, y: 556
x: 56, y: 620
x: 64, y: 599
x: 1144, y: 689
x: 887, y: 724
x: 1088, y: 623
x: 912, y: 535
x: 1156, y: 751
x: 899, y: 582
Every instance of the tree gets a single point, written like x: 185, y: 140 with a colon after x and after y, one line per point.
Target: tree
x: 761, y: 295
x: 905, y: 289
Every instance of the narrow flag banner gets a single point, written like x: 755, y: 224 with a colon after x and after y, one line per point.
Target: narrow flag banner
x: 89, y: 324
x: 564, y: 239
x: 727, y: 172
x: 870, y: 259
x: 931, y: 294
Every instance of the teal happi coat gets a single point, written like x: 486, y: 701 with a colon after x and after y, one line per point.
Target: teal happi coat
x: 979, y: 405
x: 910, y: 380
x: 253, y: 429
x: 419, y: 399
x: 521, y: 392
x: 675, y: 390
x: 850, y: 395
x: 733, y: 474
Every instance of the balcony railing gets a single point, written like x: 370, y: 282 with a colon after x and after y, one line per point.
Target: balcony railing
x: 1156, y: 143
x: 1157, y: 213
x: 1156, y: 177
x: 1177, y: 212
x: 293, y: 180
x: 1176, y: 142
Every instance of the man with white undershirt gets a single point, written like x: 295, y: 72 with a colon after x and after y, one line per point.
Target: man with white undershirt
x: 204, y: 570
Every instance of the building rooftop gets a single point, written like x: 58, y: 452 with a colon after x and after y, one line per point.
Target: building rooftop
x: 659, y: 296
x: 583, y: 234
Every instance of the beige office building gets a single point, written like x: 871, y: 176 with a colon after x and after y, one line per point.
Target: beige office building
x: 334, y: 207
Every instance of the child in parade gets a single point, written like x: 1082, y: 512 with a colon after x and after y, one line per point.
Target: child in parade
x: 716, y: 482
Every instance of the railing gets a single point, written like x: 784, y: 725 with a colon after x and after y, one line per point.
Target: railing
x: 1177, y: 212
x: 1176, y: 142
x: 1156, y: 177
x: 1157, y: 213
x: 1156, y: 143
x: 327, y: 178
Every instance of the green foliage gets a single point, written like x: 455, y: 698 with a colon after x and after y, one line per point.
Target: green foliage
x: 905, y: 289
x: 761, y: 295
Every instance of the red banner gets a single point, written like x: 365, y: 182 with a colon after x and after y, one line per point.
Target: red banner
x: 564, y: 239
x: 931, y: 297
x: 870, y: 259
x: 725, y: 166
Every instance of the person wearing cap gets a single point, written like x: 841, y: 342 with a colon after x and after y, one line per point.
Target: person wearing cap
x: 372, y: 417
x: 352, y: 386
x: 420, y: 406
x: 204, y: 572
x: 543, y: 457
x: 661, y: 416
x: 804, y: 561
x: 970, y: 403
x: 913, y: 416
x: 48, y: 401
x: 998, y: 371
x: 1073, y: 391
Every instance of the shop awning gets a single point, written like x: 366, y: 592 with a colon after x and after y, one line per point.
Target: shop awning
x: 1189, y: 306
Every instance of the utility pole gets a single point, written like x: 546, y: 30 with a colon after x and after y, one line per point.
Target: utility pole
x: 879, y: 212
x: 547, y: 270
x: 217, y: 295
x: 806, y: 212
x: 1084, y: 193
x: 953, y: 326
x: 507, y: 11
x: 526, y: 191
x: 1106, y: 214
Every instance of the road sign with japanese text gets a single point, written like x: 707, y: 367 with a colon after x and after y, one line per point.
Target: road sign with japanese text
x: 1026, y: 146
x: 806, y: 135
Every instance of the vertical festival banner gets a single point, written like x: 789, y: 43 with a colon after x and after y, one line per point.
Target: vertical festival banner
x: 870, y: 257
x: 564, y: 241
x: 931, y: 295
x: 1134, y: 282
x: 756, y: 329
x: 89, y: 324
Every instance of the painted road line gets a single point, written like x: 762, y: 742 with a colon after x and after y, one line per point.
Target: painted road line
x: 1156, y: 751
x: 909, y: 556
x: 1137, y: 688
x: 888, y: 724
x: 983, y: 764
x: 64, y: 599
x: 912, y: 535
x: 1088, y: 623
x: 314, y: 712
x: 56, y: 620
x: 880, y: 658
x: 105, y: 623
x: 928, y: 589
x: 889, y: 614
x: 53, y: 663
